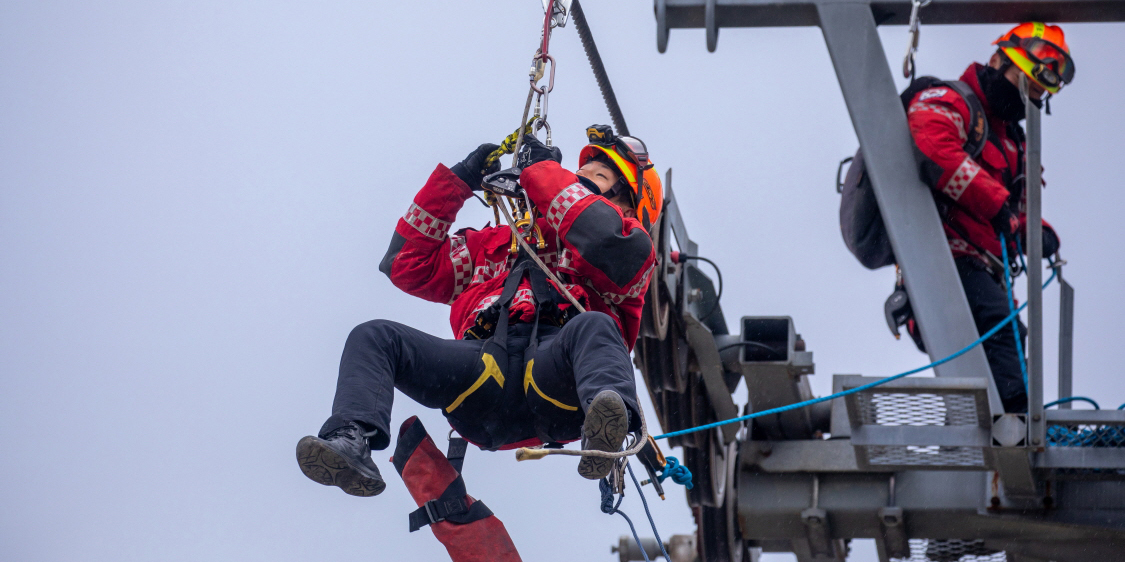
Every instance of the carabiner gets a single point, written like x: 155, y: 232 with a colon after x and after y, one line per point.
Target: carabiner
x: 914, y: 31
x: 541, y: 59
x: 541, y: 123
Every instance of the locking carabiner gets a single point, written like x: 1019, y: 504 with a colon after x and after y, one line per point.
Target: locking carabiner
x: 914, y: 31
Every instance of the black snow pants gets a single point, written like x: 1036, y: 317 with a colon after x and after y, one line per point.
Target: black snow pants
x: 489, y: 403
x: 988, y: 301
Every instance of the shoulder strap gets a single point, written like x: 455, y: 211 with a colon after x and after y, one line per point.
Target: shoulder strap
x: 977, y: 128
x: 917, y: 85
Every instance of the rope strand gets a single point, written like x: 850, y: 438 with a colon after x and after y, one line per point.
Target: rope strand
x: 861, y: 388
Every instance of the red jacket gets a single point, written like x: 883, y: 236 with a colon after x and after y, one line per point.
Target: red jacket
x: 937, y: 118
x: 604, y: 259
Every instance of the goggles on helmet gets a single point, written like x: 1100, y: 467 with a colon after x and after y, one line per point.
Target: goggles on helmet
x: 631, y: 149
x: 1051, y: 65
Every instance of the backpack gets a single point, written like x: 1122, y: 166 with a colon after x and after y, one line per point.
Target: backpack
x: 861, y: 222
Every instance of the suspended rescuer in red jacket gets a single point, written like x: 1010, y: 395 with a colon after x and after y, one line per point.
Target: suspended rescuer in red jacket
x: 526, y: 367
x: 982, y: 197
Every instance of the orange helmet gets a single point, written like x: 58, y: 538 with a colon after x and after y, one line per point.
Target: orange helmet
x: 629, y: 155
x: 1040, y: 51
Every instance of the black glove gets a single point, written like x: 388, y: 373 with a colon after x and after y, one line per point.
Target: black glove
x: 1050, y: 242
x: 533, y: 151
x: 471, y: 169
x: 1005, y: 222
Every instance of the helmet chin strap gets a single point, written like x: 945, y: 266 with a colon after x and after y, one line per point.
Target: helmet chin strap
x: 618, y: 187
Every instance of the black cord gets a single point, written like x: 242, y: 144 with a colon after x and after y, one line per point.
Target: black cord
x: 719, y: 273
x: 754, y: 343
x: 600, y: 75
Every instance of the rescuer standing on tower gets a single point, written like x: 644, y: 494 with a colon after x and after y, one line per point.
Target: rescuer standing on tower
x: 983, y: 197
x: 528, y: 368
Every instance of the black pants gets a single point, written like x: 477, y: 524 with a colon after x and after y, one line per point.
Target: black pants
x: 491, y: 401
x: 988, y: 300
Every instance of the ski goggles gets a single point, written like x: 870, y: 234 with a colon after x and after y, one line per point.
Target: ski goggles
x: 631, y: 149
x: 1050, y: 65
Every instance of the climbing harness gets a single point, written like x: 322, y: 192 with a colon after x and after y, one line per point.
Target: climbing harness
x: 912, y: 47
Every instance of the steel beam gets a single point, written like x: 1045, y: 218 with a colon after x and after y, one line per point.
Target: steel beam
x: 682, y: 14
x: 1066, y: 340
x: 1037, y: 425
x: 907, y: 205
x: 933, y: 505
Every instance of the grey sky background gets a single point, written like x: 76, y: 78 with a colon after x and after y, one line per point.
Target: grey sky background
x: 194, y: 197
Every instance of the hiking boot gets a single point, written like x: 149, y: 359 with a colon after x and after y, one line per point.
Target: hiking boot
x: 605, y: 428
x: 342, y: 458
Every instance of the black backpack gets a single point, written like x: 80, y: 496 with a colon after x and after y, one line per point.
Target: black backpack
x: 861, y: 222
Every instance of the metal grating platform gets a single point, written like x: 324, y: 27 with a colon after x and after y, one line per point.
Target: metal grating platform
x: 921, y: 456
x: 1085, y: 435
x: 1085, y: 444
x: 919, y: 409
x: 951, y: 550
x: 925, y: 422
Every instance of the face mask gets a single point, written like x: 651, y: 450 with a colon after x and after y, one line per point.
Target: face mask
x: 1003, y: 96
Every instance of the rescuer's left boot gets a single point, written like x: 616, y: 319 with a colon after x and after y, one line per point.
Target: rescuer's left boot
x: 342, y: 458
x: 605, y: 428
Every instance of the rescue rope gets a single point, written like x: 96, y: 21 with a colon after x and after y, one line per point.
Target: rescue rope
x: 531, y: 454
x: 508, y: 145
x: 609, y: 508
x: 1009, y: 279
x: 679, y: 473
x: 531, y: 253
x: 648, y: 513
x: 864, y: 387
x: 1075, y: 399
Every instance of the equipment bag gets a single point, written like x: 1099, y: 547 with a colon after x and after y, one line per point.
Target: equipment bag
x: 467, y: 528
x: 861, y: 222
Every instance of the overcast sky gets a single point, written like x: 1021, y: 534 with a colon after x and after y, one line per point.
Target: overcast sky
x: 195, y: 196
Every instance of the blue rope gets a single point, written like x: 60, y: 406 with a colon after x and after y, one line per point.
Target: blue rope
x: 609, y: 508
x: 1074, y: 399
x: 1008, y: 279
x: 652, y: 523
x: 678, y: 472
x: 861, y: 388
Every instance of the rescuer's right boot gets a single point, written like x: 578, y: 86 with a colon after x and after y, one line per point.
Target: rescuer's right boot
x: 342, y: 458
x: 605, y: 428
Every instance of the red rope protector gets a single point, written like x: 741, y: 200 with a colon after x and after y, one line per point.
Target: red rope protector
x: 468, y: 529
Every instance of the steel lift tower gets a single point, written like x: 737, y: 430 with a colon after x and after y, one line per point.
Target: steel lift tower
x: 930, y: 467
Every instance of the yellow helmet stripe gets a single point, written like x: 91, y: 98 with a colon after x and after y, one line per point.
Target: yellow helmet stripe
x: 623, y: 165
